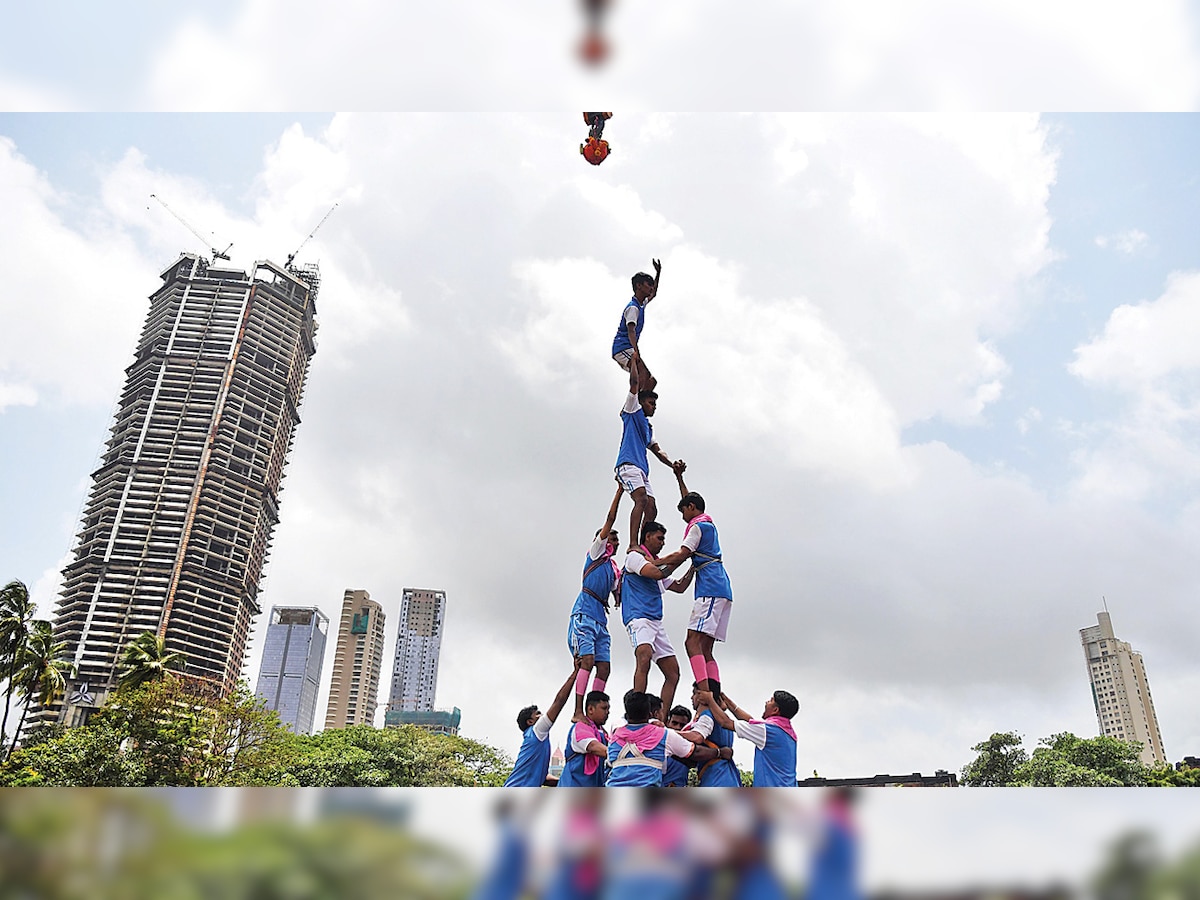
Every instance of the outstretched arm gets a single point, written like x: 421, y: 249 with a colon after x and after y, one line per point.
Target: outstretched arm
x: 719, y: 715
x: 679, y: 468
x: 612, y: 512
x: 657, y: 275
x: 683, y: 583
x: 560, y: 699
x: 663, y: 458
x: 734, y: 708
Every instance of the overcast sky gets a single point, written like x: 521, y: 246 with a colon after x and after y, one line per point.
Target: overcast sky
x: 935, y: 374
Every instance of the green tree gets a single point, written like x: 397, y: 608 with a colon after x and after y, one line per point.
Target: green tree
x: 1064, y: 760
x: 88, y: 756
x: 407, y: 756
x: 16, y: 613
x: 999, y: 759
x: 1061, y: 760
x: 42, y: 673
x: 146, y: 659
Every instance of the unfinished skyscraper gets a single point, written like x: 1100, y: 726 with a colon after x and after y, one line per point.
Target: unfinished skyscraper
x: 357, y: 662
x: 178, y: 524
x: 1120, y: 690
x: 289, y: 675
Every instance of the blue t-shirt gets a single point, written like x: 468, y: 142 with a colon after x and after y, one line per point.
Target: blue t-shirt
x: 621, y: 341
x: 637, y: 434
x: 533, y: 761
x: 600, y: 581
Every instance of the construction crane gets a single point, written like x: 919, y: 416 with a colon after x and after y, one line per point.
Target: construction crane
x: 217, y: 254
x: 294, y: 253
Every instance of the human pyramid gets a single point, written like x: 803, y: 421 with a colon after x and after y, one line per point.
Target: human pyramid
x: 652, y: 749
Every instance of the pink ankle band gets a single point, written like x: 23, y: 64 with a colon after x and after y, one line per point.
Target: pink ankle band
x: 713, y: 672
x: 598, y: 684
x: 698, y: 669
x: 581, y: 680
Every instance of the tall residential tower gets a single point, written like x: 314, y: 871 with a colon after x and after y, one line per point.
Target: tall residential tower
x: 178, y: 524
x: 418, y: 648
x: 357, y: 662
x: 1120, y: 690
x: 289, y: 675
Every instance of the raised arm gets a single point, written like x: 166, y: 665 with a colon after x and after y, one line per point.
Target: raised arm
x: 734, y: 708
x: 719, y: 715
x: 679, y: 469
x: 612, y: 512
x: 560, y: 699
x: 657, y: 275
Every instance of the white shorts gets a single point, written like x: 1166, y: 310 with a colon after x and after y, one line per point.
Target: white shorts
x: 623, y: 358
x: 652, y: 632
x: 632, y: 478
x: 710, y: 615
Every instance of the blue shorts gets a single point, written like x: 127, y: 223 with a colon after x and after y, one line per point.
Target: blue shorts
x: 587, y: 637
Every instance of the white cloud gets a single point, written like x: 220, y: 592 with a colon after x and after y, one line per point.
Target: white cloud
x: 16, y: 395
x: 70, y: 304
x: 1126, y: 243
x: 624, y: 205
x: 461, y: 413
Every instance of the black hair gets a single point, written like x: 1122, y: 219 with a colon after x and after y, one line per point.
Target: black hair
x: 640, y: 278
x: 681, y: 711
x: 655, y: 703
x: 637, y: 707
x: 644, y: 395
x: 523, y: 717
x: 652, y: 528
x: 693, y: 498
x: 787, y: 703
x: 594, y: 697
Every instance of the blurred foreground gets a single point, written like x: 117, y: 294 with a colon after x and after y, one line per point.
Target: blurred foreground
x: 889, y: 844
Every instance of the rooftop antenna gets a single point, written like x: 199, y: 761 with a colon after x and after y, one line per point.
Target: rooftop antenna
x: 294, y: 253
x: 217, y: 254
x: 1105, y: 602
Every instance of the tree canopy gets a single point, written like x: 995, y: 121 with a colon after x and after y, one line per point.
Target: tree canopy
x: 1064, y: 760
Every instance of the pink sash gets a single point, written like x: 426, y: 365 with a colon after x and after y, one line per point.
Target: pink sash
x: 587, y: 727
x: 780, y: 721
x: 703, y: 517
x: 645, y: 738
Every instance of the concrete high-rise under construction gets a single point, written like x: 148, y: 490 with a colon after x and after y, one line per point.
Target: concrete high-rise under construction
x: 289, y: 675
x: 178, y: 524
x: 1120, y: 690
x: 357, y: 662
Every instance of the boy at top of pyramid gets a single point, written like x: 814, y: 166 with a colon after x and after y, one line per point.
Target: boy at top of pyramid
x: 625, y: 348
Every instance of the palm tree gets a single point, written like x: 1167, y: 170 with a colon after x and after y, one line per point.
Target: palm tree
x: 16, y: 612
x: 43, y: 671
x: 147, y: 659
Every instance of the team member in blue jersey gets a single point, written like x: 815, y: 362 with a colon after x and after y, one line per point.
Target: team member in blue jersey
x: 703, y: 729
x: 675, y: 772
x: 625, y: 345
x: 633, y: 463
x: 772, y: 735
x: 638, y: 750
x: 587, y: 632
x: 642, y: 611
x: 587, y: 746
x: 533, y: 759
x: 709, y: 621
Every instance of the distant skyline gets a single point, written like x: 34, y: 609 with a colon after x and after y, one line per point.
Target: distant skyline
x: 934, y: 374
